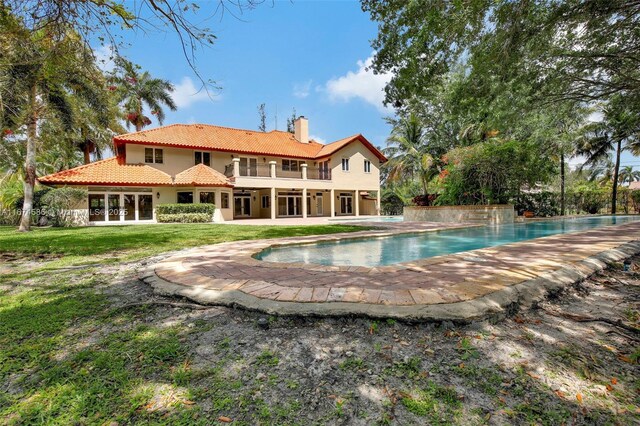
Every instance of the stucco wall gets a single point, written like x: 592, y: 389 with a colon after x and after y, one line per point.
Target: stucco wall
x: 496, y: 214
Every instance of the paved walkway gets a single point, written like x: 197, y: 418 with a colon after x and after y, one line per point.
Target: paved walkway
x: 228, y: 274
x: 298, y: 221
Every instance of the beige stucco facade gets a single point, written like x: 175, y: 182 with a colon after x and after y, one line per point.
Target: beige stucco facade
x: 347, y: 183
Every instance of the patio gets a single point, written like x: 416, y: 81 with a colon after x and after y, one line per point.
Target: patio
x: 464, y: 286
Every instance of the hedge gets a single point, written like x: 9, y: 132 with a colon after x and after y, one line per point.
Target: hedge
x: 185, y: 209
x: 183, y: 217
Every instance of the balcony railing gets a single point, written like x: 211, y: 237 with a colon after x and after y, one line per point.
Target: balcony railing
x: 318, y: 173
x: 264, y: 170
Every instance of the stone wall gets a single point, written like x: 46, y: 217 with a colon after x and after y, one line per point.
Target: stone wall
x: 495, y: 214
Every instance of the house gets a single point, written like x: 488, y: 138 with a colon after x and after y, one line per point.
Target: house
x: 245, y: 173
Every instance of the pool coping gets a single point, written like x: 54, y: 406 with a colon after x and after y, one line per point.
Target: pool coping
x: 167, y: 278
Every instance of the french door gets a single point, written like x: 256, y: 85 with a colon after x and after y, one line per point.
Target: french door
x: 319, y: 205
x: 346, y: 204
x: 242, y: 206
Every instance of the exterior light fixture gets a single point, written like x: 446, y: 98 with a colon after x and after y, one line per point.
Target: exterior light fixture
x: 158, y: 195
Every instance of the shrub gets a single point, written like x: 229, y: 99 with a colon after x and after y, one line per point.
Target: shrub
x: 635, y: 199
x: 185, y: 208
x: 37, y: 208
x: 59, y: 205
x: 183, y: 217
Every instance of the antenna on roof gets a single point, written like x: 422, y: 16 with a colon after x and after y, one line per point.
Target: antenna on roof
x: 276, y: 117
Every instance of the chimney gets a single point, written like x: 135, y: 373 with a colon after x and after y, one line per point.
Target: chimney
x: 301, y: 127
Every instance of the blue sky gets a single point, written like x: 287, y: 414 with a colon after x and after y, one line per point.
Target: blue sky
x: 310, y: 55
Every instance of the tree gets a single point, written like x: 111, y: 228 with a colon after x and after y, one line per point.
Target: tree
x: 582, y: 50
x: 43, y: 70
x: 136, y: 91
x: 410, y: 155
x: 619, y: 131
x: 262, y: 115
x: 628, y: 175
x: 291, y: 122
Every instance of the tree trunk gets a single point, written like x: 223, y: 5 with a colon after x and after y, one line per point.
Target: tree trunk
x: 30, y: 162
x: 562, y: 185
x: 87, y: 153
x: 139, y: 118
x: 616, y: 171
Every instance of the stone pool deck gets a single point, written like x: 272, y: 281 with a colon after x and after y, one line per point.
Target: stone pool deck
x: 464, y: 286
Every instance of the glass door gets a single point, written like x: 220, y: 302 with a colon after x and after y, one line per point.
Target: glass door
x: 113, y: 207
x: 129, y: 207
x: 346, y: 204
x: 242, y: 206
x: 319, y: 205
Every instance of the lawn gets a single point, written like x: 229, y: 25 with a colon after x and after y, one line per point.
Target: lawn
x: 134, y: 242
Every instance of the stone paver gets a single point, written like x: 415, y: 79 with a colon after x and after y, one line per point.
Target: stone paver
x: 229, y: 269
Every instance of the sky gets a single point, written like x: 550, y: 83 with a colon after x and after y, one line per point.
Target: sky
x: 302, y: 54
x: 307, y: 55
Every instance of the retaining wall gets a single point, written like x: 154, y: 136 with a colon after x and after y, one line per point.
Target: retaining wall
x: 495, y: 214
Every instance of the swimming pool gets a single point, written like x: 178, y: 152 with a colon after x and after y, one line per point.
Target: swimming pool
x: 407, y: 247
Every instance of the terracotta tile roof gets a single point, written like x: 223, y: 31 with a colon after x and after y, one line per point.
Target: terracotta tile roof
x: 327, y: 150
x: 201, y: 175
x: 110, y: 172
x: 217, y: 138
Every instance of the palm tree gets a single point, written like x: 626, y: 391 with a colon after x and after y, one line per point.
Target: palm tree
x: 409, y: 153
x: 628, y: 175
x: 619, y: 131
x: 43, y: 71
x: 137, y: 90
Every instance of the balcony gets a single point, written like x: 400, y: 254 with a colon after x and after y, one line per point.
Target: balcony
x: 236, y: 169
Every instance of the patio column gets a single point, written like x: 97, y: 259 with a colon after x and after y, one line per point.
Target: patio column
x: 272, y: 168
x: 304, y: 171
x: 236, y: 167
x: 357, y: 202
x: 378, y: 205
x: 333, y: 203
x: 274, y: 200
x: 304, y: 201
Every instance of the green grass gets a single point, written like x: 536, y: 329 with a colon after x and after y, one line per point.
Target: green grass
x: 137, y: 241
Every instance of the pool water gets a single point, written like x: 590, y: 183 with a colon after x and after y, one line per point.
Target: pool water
x: 404, y: 248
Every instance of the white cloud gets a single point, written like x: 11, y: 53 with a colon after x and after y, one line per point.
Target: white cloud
x: 301, y: 90
x: 104, y: 57
x: 186, y: 94
x: 595, y: 117
x: 363, y: 84
x: 318, y: 139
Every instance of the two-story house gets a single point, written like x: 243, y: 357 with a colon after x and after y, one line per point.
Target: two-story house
x: 245, y: 173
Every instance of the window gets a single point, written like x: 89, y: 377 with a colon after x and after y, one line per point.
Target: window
x: 367, y: 166
x: 207, y: 198
x: 152, y: 155
x: 185, y: 197
x: 225, y: 200
x: 266, y: 201
x: 248, y: 166
x: 203, y: 157
x: 345, y: 164
x: 291, y: 165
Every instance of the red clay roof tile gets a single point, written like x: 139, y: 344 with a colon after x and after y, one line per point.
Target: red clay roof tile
x: 201, y: 175
x: 110, y: 172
